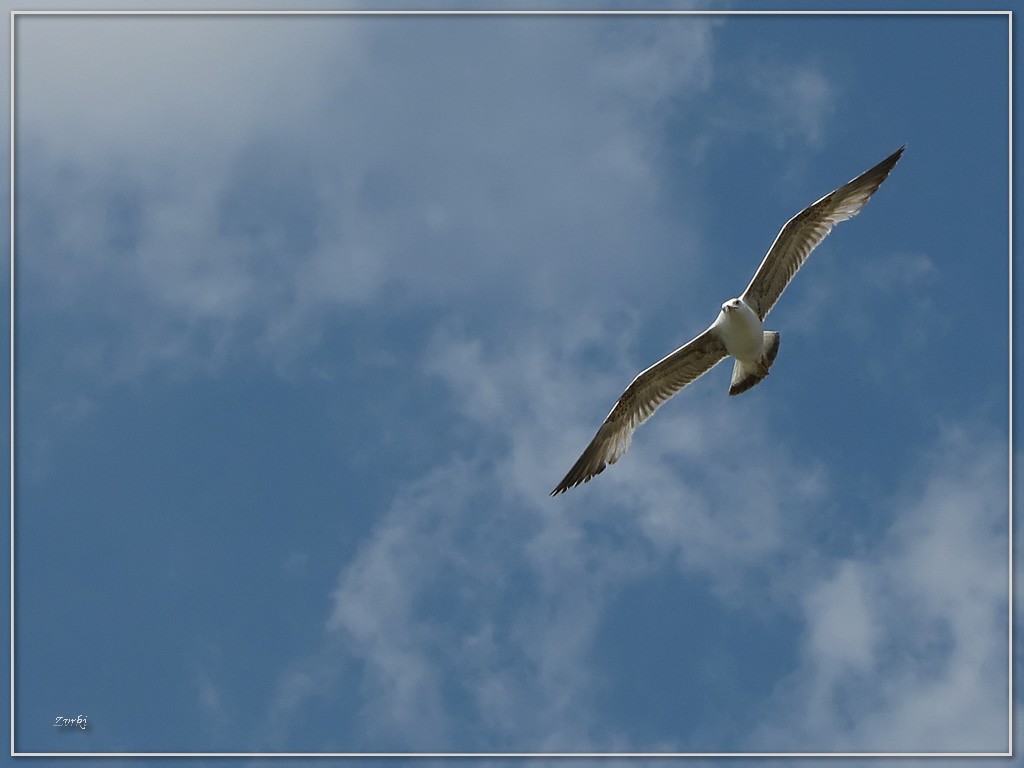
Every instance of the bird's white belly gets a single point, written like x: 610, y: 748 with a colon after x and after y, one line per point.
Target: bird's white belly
x: 742, y: 333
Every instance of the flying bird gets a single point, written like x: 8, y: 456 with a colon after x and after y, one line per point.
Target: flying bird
x: 738, y: 330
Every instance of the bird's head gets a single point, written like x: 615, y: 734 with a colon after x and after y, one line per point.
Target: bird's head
x: 731, y: 305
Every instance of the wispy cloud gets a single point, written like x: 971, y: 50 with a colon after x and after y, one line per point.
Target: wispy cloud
x: 494, y: 191
x: 784, y: 102
x: 475, y: 577
x: 905, y: 645
x: 902, y: 644
x: 797, y: 101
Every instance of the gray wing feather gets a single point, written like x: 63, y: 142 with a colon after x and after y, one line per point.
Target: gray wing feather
x: 639, y: 402
x: 804, y: 231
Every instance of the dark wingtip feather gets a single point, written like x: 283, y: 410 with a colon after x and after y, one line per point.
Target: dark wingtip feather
x: 885, y: 167
x: 875, y: 175
x: 580, y: 473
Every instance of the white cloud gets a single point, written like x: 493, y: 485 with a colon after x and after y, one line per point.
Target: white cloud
x: 476, y: 576
x: 801, y: 100
x: 905, y: 648
x: 216, y: 719
x: 771, y: 99
x: 903, y: 644
x: 172, y: 88
x: 533, y: 184
x: 523, y: 178
x: 462, y: 548
x: 842, y: 636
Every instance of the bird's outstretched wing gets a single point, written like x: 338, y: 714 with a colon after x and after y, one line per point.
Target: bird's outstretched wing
x: 804, y: 231
x: 640, y: 400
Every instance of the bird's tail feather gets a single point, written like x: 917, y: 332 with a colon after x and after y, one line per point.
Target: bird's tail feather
x: 746, y: 375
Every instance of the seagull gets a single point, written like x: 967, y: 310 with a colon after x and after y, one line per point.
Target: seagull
x: 738, y: 330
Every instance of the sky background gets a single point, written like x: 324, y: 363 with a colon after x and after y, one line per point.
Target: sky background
x: 312, y: 313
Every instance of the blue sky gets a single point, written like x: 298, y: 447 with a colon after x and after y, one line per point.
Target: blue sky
x: 312, y: 314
